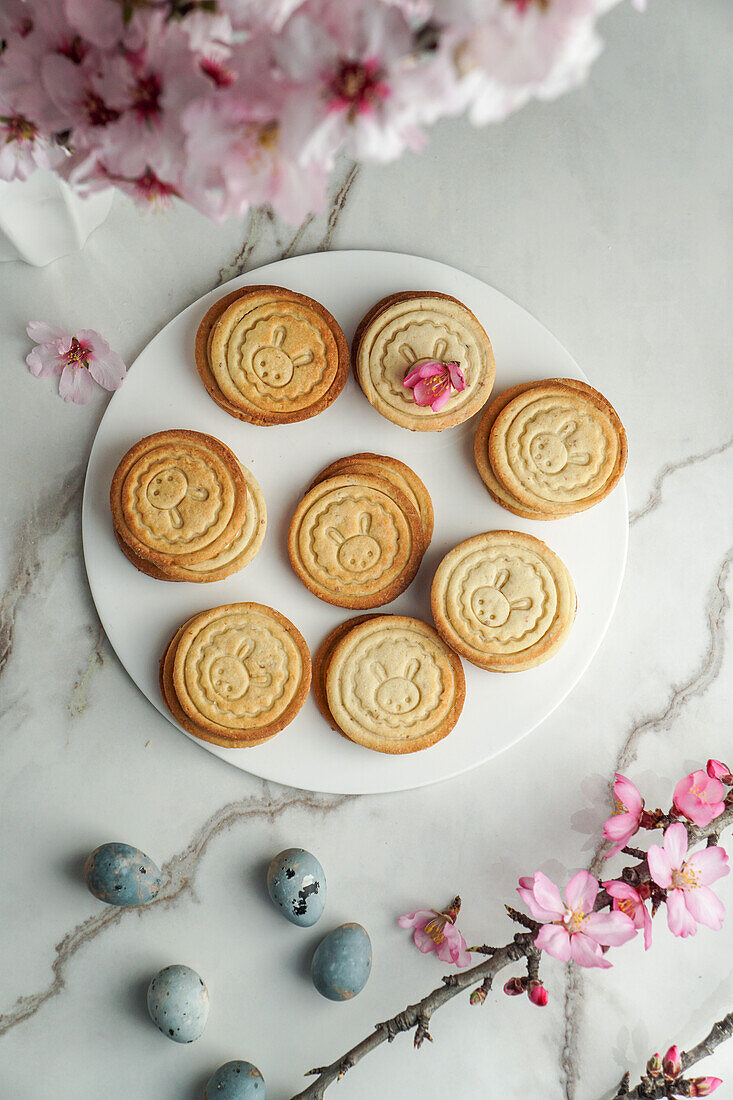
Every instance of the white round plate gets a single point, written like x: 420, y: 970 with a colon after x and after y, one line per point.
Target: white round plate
x: 163, y: 390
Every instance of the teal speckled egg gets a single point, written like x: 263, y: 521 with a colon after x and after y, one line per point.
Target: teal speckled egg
x: 178, y: 1003
x: 122, y: 875
x: 342, y: 962
x: 235, y: 1081
x: 297, y: 886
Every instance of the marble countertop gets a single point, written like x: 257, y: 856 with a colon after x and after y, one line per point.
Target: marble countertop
x: 603, y: 214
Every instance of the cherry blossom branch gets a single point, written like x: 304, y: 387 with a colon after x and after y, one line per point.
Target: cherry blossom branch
x: 657, y: 1086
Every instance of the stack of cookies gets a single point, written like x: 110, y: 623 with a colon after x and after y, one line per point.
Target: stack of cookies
x: 389, y: 683
x: 185, y: 509
x: 503, y: 600
x: 358, y: 536
x: 405, y: 330
x: 271, y: 356
x: 235, y: 675
x: 549, y: 449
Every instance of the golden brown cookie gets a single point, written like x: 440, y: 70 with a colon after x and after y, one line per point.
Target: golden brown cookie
x: 321, y: 661
x: 240, y: 672
x: 503, y: 600
x: 402, y: 475
x: 271, y: 356
x: 392, y: 685
x: 178, y: 496
x: 355, y: 541
x: 403, y: 329
x: 557, y: 448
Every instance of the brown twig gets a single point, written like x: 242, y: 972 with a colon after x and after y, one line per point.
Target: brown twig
x: 649, y: 1089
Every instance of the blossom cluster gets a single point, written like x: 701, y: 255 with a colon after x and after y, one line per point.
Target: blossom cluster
x: 233, y: 103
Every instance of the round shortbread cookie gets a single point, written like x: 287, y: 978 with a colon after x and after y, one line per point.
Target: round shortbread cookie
x: 242, y: 668
x: 272, y: 356
x: 165, y: 679
x: 557, y: 448
x: 321, y: 661
x: 393, y: 686
x: 503, y: 600
x: 415, y: 325
x: 239, y: 553
x: 355, y: 541
x: 178, y: 496
x: 402, y: 475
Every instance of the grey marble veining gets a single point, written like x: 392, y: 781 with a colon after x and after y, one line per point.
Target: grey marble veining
x: 603, y: 214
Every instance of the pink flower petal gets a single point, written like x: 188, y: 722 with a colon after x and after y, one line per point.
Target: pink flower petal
x: 425, y: 369
x: 108, y: 370
x: 547, y: 895
x: 628, y: 794
x: 610, y: 929
x: 43, y: 333
x: 417, y: 919
x: 537, y: 911
x: 76, y: 384
x: 555, y: 940
x: 619, y: 889
x: 45, y: 361
x: 586, y: 952
x: 425, y: 394
x: 705, y: 906
x: 647, y: 927
x: 457, y: 377
x: 676, y: 844
x: 710, y: 864
x: 441, y: 400
x: 581, y: 891
x: 660, y: 867
x: 423, y: 941
x: 92, y: 342
x: 680, y: 921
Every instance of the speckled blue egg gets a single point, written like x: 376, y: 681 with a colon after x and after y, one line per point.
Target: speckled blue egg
x: 178, y: 1003
x: 235, y: 1081
x: 297, y: 886
x: 342, y: 962
x: 122, y: 875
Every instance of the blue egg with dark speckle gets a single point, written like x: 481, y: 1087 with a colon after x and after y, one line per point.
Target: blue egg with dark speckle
x: 236, y: 1080
x: 342, y: 962
x: 297, y: 886
x: 178, y: 1003
x: 122, y: 875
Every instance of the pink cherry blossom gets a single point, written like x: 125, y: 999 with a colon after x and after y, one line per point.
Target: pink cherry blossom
x: 699, y: 797
x: 571, y: 929
x: 704, y: 1086
x: 433, y: 381
x: 628, y: 900
x: 671, y: 1065
x: 79, y: 360
x: 537, y: 994
x: 690, y: 901
x: 626, y: 817
x: 716, y: 769
x: 436, y: 931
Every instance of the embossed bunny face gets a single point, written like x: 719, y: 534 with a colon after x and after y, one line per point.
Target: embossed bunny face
x: 273, y: 366
x: 359, y: 552
x: 397, y: 694
x: 168, y: 489
x: 491, y: 607
x: 230, y: 676
x: 550, y: 454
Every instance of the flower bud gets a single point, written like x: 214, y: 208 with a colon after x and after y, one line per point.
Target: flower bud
x: 671, y: 1065
x: 478, y: 996
x: 716, y: 769
x: 703, y: 1086
x: 514, y: 987
x: 538, y: 994
x: 654, y: 1066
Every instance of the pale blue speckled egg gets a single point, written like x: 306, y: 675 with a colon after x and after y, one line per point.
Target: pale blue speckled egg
x: 297, y: 886
x: 342, y: 962
x: 235, y: 1081
x: 122, y: 875
x: 178, y: 1003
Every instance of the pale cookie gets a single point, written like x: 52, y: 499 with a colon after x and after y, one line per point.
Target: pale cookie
x: 167, y: 690
x: 393, y: 686
x: 241, y: 672
x: 399, y: 473
x: 503, y: 600
x: 355, y: 541
x: 558, y: 449
x: 239, y: 553
x: 178, y: 496
x: 405, y: 328
x: 322, y: 660
x: 272, y: 356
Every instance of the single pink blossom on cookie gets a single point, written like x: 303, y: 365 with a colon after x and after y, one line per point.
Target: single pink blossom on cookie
x: 80, y: 360
x: 626, y: 817
x: 628, y: 900
x: 716, y: 769
x: 432, y: 382
x: 699, y: 797
x: 690, y: 901
x: 570, y: 929
x: 436, y: 931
